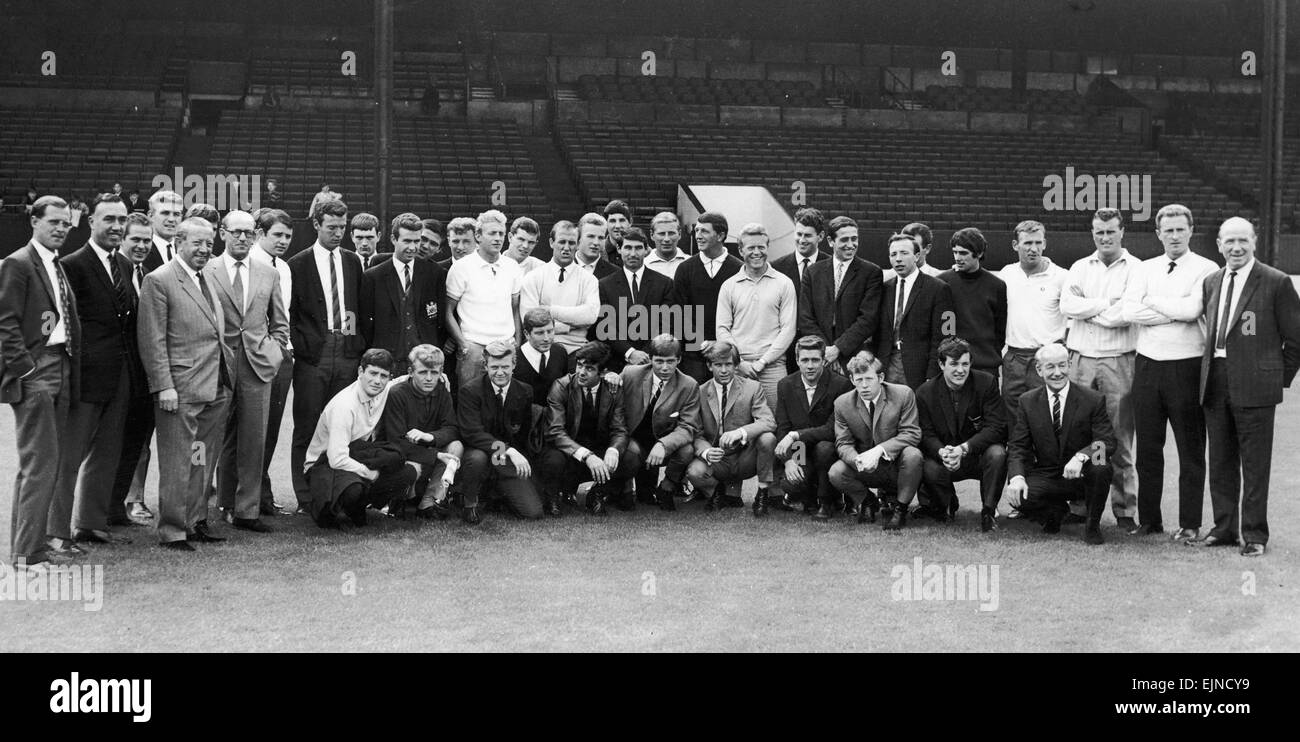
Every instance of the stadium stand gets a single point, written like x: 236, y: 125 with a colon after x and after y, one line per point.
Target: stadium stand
x: 696, y: 90
x: 945, y: 98
x: 1235, y: 161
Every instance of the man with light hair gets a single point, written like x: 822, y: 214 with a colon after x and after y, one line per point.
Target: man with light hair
x: 592, y: 229
x: 460, y: 240
x: 758, y: 312
x: 420, y: 419
x: 570, y: 294
x: 665, y: 232
x: 1034, y: 316
x: 166, y: 210
x: 482, y: 296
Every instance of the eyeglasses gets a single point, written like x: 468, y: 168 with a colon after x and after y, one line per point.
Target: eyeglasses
x: 241, y: 233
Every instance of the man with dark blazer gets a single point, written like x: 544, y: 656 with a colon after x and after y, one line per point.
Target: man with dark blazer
x: 1060, y: 448
x: 916, y: 314
x: 877, y: 434
x: 805, y: 437
x: 181, y: 338
x: 402, y: 298
x: 587, y: 437
x: 840, y: 298
x: 166, y: 209
x: 100, y: 278
x: 697, y: 283
x: 1253, y: 313
x: 541, y: 360
x: 323, y: 326
x: 127, y: 502
x: 495, y: 416
x: 257, y: 333
x: 809, y: 233
x: 39, y: 369
x: 662, y: 411
x: 632, y: 286
x: 963, y: 435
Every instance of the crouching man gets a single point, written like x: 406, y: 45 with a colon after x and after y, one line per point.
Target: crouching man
x: 876, y: 434
x: 346, y: 469
x: 662, y: 410
x: 420, y: 418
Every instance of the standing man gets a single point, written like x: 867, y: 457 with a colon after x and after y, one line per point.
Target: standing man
x: 840, y: 298
x: 805, y: 437
x: 431, y: 239
x: 100, y: 279
x: 274, y: 235
x: 1102, y: 346
x: 619, y: 218
x: 662, y: 410
x: 165, y: 211
x: 698, y: 281
x: 181, y: 330
x: 523, y: 240
x: 39, y: 333
x: 1255, y: 353
x: 483, y: 297
x: 460, y: 240
x: 257, y: 333
x: 809, y: 233
x: 570, y: 294
x: 127, y: 503
x: 979, y: 298
x: 590, y: 255
x: 917, y: 315
x: 757, y: 312
x: 402, y: 298
x: 1164, y: 303
x: 365, y: 238
x: 327, y: 344
x: 924, y: 241
x: 1034, y: 316
x: 666, y: 231
x: 632, y: 286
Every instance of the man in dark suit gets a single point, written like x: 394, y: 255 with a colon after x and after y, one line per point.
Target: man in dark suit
x: 697, y: 283
x: 127, y: 502
x: 963, y: 435
x: 420, y: 419
x: 840, y: 298
x: 181, y: 339
x: 662, y: 411
x: 1254, y: 315
x: 809, y: 234
x: 402, y: 298
x: 274, y: 235
x: 632, y: 290
x: 917, y: 314
x: 587, y: 437
x: 39, y: 332
x: 166, y: 209
x: 541, y: 360
x: 257, y: 333
x: 1060, y: 448
x: 495, y: 416
x: 323, y: 327
x: 805, y: 437
x: 100, y: 278
x: 877, y: 435
x: 365, y: 242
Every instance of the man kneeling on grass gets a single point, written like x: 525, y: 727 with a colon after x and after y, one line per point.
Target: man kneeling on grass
x: 346, y: 469
x: 420, y: 419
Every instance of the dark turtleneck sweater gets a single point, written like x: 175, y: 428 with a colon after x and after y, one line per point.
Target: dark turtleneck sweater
x: 980, y: 299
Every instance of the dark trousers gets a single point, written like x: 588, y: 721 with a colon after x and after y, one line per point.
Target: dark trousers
x: 280, y: 386
x: 90, y: 459
x: 674, y: 466
x: 40, y: 427
x: 1241, y: 447
x: 1050, y: 493
x: 1168, y: 392
x: 694, y: 366
x: 563, y: 473
x: 816, y: 465
x: 990, y: 467
x: 138, y: 429
x: 478, y: 471
x: 313, y: 387
x: 899, y: 478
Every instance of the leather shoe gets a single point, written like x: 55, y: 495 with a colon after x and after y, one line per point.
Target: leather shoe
x: 665, y: 499
x: 52, y: 558
x: 139, y: 511
x: 1212, y: 541
x: 471, y: 516
x: 272, y: 510
x: 1051, y: 525
x: 1092, y: 536
x: 988, y: 520
x: 783, y: 503
x: 1252, y: 549
x: 596, y: 504
x: 625, y: 502
x: 1127, y: 523
x: 825, y: 512
x: 894, y: 516
x: 1185, y: 534
x: 711, y: 502
x: 202, y: 536
x: 178, y: 545
x: 760, y: 503
x: 64, y: 546
x: 1147, y: 530
x: 696, y: 495
x: 86, y: 535
x: 253, y: 524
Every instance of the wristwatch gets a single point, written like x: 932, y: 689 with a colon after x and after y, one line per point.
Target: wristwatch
x: 1081, y: 457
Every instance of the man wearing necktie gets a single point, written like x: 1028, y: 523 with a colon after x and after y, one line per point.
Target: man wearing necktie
x: 127, y: 502
x: 809, y: 233
x: 189, y: 366
x: 365, y: 239
x: 494, y: 414
x: 805, y: 436
x: 840, y: 298
x: 917, y: 314
x: 256, y: 331
x: 631, y: 292
x: 39, y: 331
x: 1254, y: 314
x: 165, y: 213
x: 662, y: 411
x: 1060, y: 448
x: 402, y: 298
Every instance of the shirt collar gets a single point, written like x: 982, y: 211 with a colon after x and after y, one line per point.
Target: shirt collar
x: 229, y: 261
x: 193, y: 274
x: 44, y: 252
x: 1244, y: 270
x: 637, y: 273
x: 1123, y: 256
x: 653, y: 257
x: 103, y: 254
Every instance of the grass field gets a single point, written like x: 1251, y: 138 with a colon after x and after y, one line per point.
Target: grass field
x: 684, y: 581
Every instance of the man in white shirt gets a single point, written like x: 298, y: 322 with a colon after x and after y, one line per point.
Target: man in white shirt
x: 924, y: 241
x: 1034, y: 316
x: 1101, y: 344
x: 523, y: 239
x: 165, y: 212
x: 590, y: 254
x: 570, y: 294
x: 666, y: 232
x: 1164, y: 303
x: 274, y: 235
x: 482, y: 297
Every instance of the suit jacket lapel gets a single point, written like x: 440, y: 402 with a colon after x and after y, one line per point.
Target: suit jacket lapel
x: 188, y: 285
x: 35, y: 257
x: 1067, y: 416
x: 1216, y: 294
x: 393, y: 286
x: 216, y: 270
x: 911, y: 296
x: 1248, y: 290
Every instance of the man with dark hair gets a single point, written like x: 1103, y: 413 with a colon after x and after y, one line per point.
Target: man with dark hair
x: 698, y: 282
x: 924, y: 241
x: 365, y: 240
x: 877, y: 435
x: 402, y: 298
x: 809, y: 234
x: 127, y: 501
x: 587, y: 437
x: 619, y: 218
x: 542, y: 361
x: 1060, y: 448
x: 662, y: 410
x: 347, y: 469
x: 631, y: 290
x: 963, y: 435
x: 735, y: 440
x: 327, y: 343
x: 979, y: 298
x: 917, y: 314
x: 274, y: 235
x: 431, y: 237
x: 523, y: 239
x: 39, y: 332
x: 805, y: 437
x: 495, y: 417
x: 840, y: 298
x: 420, y: 419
